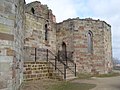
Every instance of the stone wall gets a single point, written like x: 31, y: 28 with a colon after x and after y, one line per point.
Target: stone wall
x: 74, y: 32
x: 11, y: 43
x: 40, y: 70
x: 108, y: 48
x: 40, y: 10
x: 28, y: 27
x: 64, y: 34
x: 36, y: 71
x: 35, y: 27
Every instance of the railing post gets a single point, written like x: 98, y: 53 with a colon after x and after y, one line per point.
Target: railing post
x: 55, y: 62
x: 58, y: 56
x: 64, y: 71
x: 75, y: 69
x: 35, y: 54
x: 66, y: 57
x: 47, y: 55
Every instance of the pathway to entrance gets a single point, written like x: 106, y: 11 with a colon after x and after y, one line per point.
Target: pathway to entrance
x: 109, y: 83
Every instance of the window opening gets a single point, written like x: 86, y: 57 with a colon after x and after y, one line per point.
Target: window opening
x: 90, y: 42
x: 32, y: 10
x: 46, y: 32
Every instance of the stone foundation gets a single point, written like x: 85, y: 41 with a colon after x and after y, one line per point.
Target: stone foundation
x: 36, y: 70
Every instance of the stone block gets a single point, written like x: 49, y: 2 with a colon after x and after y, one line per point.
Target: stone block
x: 4, y: 28
x: 2, y: 51
x: 5, y: 66
x: 3, y: 84
x: 4, y: 36
x: 10, y: 52
x: 8, y: 7
x: 9, y: 1
x: 1, y: 7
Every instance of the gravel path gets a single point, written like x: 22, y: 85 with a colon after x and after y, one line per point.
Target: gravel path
x: 110, y: 83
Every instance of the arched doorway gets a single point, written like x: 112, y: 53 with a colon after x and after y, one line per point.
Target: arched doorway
x: 64, y: 51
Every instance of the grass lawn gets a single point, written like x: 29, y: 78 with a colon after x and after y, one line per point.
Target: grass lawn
x: 112, y: 74
x: 88, y: 76
x: 72, y: 86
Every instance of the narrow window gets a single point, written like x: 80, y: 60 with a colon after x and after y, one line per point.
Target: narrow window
x: 64, y: 51
x: 63, y: 47
x: 32, y: 10
x: 46, y: 32
x: 90, y: 41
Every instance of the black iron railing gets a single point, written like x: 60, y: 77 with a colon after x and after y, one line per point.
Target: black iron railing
x: 54, y: 64
x: 45, y: 54
x: 61, y: 61
x: 74, y: 64
x: 68, y: 59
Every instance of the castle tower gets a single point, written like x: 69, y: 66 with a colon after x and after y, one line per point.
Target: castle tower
x: 11, y: 43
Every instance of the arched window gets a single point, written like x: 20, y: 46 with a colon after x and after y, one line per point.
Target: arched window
x: 63, y: 46
x: 64, y: 51
x: 32, y: 10
x: 90, y: 41
x: 46, y: 32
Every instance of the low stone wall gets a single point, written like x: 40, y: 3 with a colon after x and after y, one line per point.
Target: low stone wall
x: 36, y: 70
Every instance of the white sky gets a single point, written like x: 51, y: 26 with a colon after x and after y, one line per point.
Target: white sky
x: 107, y: 10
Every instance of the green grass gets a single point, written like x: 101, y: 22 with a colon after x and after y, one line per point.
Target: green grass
x: 112, y: 74
x: 72, y: 86
x: 88, y: 76
x: 84, y: 76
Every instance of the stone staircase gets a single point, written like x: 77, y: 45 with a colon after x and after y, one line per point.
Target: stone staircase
x: 55, y: 66
x: 61, y: 73
x: 70, y: 72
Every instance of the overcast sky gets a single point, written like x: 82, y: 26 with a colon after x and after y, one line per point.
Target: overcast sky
x: 107, y: 10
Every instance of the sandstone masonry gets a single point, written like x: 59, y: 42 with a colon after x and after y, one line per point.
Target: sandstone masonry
x: 29, y: 28
x: 11, y: 43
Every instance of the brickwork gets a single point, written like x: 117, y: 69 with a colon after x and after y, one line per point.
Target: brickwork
x: 108, y: 48
x: 40, y: 10
x: 33, y: 25
x: 74, y: 33
x: 36, y: 70
x: 39, y: 70
x: 11, y: 43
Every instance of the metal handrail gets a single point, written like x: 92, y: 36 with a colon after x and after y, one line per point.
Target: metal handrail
x: 74, y: 66
x: 69, y: 59
x: 55, y: 65
x: 57, y: 68
x: 56, y: 59
x: 65, y: 65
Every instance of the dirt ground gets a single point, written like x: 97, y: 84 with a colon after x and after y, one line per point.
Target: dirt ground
x: 38, y: 85
x: 109, y: 83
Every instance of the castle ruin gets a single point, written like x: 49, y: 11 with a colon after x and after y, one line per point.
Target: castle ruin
x: 33, y: 46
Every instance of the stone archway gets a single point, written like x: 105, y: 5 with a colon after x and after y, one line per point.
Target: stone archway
x: 64, y: 51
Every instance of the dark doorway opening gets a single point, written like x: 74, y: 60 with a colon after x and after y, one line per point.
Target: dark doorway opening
x: 32, y: 10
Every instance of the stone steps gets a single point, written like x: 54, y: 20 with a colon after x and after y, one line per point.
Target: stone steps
x: 57, y: 75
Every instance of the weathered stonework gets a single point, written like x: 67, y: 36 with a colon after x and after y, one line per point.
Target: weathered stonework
x: 35, y: 27
x: 11, y: 43
x: 36, y: 71
x: 24, y: 26
x: 74, y: 33
x: 39, y: 70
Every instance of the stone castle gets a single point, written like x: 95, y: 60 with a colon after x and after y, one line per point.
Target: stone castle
x: 33, y: 46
